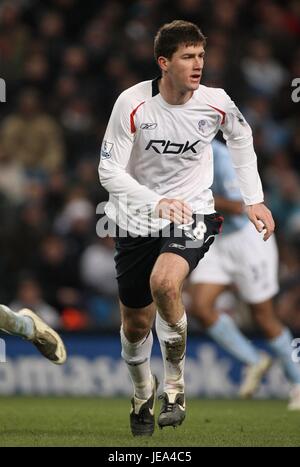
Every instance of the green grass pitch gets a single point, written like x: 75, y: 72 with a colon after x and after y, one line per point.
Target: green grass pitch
x: 38, y: 421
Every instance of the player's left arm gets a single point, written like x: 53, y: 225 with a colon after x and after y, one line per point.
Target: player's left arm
x: 230, y: 206
x: 262, y: 218
x: 239, y: 140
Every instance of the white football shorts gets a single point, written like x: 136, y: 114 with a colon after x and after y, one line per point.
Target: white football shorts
x: 242, y: 258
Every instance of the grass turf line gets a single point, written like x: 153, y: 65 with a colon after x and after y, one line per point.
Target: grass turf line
x: 39, y: 421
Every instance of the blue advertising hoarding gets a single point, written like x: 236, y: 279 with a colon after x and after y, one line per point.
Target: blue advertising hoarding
x: 94, y: 367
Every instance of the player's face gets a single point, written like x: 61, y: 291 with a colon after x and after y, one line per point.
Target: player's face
x: 185, y: 67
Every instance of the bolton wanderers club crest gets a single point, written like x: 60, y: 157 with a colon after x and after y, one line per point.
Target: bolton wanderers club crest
x: 202, y: 126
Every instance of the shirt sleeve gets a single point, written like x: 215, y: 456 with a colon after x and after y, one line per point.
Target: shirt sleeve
x: 239, y: 140
x: 115, y: 153
x: 225, y: 180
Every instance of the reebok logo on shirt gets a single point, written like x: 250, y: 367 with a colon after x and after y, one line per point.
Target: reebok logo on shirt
x: 148, y: 126
x: 161, y: 146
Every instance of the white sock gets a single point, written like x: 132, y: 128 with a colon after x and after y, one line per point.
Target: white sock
x: 172, y: 339
x: 137, y: 357
x: 16, y: 324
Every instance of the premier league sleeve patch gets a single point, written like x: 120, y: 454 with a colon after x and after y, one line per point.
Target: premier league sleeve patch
x: 106, y: 150
x: 240, y: 117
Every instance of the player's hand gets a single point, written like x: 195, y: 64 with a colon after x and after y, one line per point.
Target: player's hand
x: 262, y: 218
x: 175, y: 210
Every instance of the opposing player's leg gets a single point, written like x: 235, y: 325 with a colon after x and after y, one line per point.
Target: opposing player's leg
x: 166, y: 282
x: 222, y: 266
x: 279, y: 339
x: 220, y: 327
x: 30, y: 326
x: 224, y: 331
x: 257, y: 283
x: 136, y: 340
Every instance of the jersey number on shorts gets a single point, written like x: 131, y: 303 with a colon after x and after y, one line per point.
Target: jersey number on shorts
x: 200, y: 230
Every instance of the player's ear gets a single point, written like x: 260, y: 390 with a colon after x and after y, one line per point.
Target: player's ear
x: 163, y: 63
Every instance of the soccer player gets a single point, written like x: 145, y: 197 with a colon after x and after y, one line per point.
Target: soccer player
x: 240, y: 257
x: 157, y: 165
x: 28, y: 325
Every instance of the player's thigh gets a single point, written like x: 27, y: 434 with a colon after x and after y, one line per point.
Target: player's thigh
x: 168, y: 273
x: 134, y: 259
x: 203, y: 297
x: 182, y: 249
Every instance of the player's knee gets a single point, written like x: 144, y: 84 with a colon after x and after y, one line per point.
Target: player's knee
x: 137, y: 326
x: 134, y: 332
x: 164, y: 290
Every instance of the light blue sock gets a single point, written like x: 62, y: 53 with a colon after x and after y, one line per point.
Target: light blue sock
x: 281, y: 345
x: 225, y: 332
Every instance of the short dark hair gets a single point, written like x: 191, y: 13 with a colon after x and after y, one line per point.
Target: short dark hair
x: 171, y: 35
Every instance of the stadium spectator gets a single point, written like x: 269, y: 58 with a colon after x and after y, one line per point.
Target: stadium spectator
x: 33, y: 136
x: 29, y: 295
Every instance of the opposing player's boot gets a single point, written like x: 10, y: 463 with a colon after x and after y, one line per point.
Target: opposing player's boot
x: 294, y: 402
x: 46, y: 340
x: 142, y: 420
x: 253, y: 376
x: 172, y: 410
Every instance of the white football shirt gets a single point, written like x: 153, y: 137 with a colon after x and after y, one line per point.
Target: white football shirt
x: 153, y: 150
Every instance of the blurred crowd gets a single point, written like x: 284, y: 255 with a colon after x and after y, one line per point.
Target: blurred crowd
x: 64, y: 63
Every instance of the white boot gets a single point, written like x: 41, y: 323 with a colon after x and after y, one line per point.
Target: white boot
x: 253, y: 376
x: 294, y: 403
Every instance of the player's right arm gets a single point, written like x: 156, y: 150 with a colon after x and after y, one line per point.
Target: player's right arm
x: 175, y: 210
x: 115, y: 153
